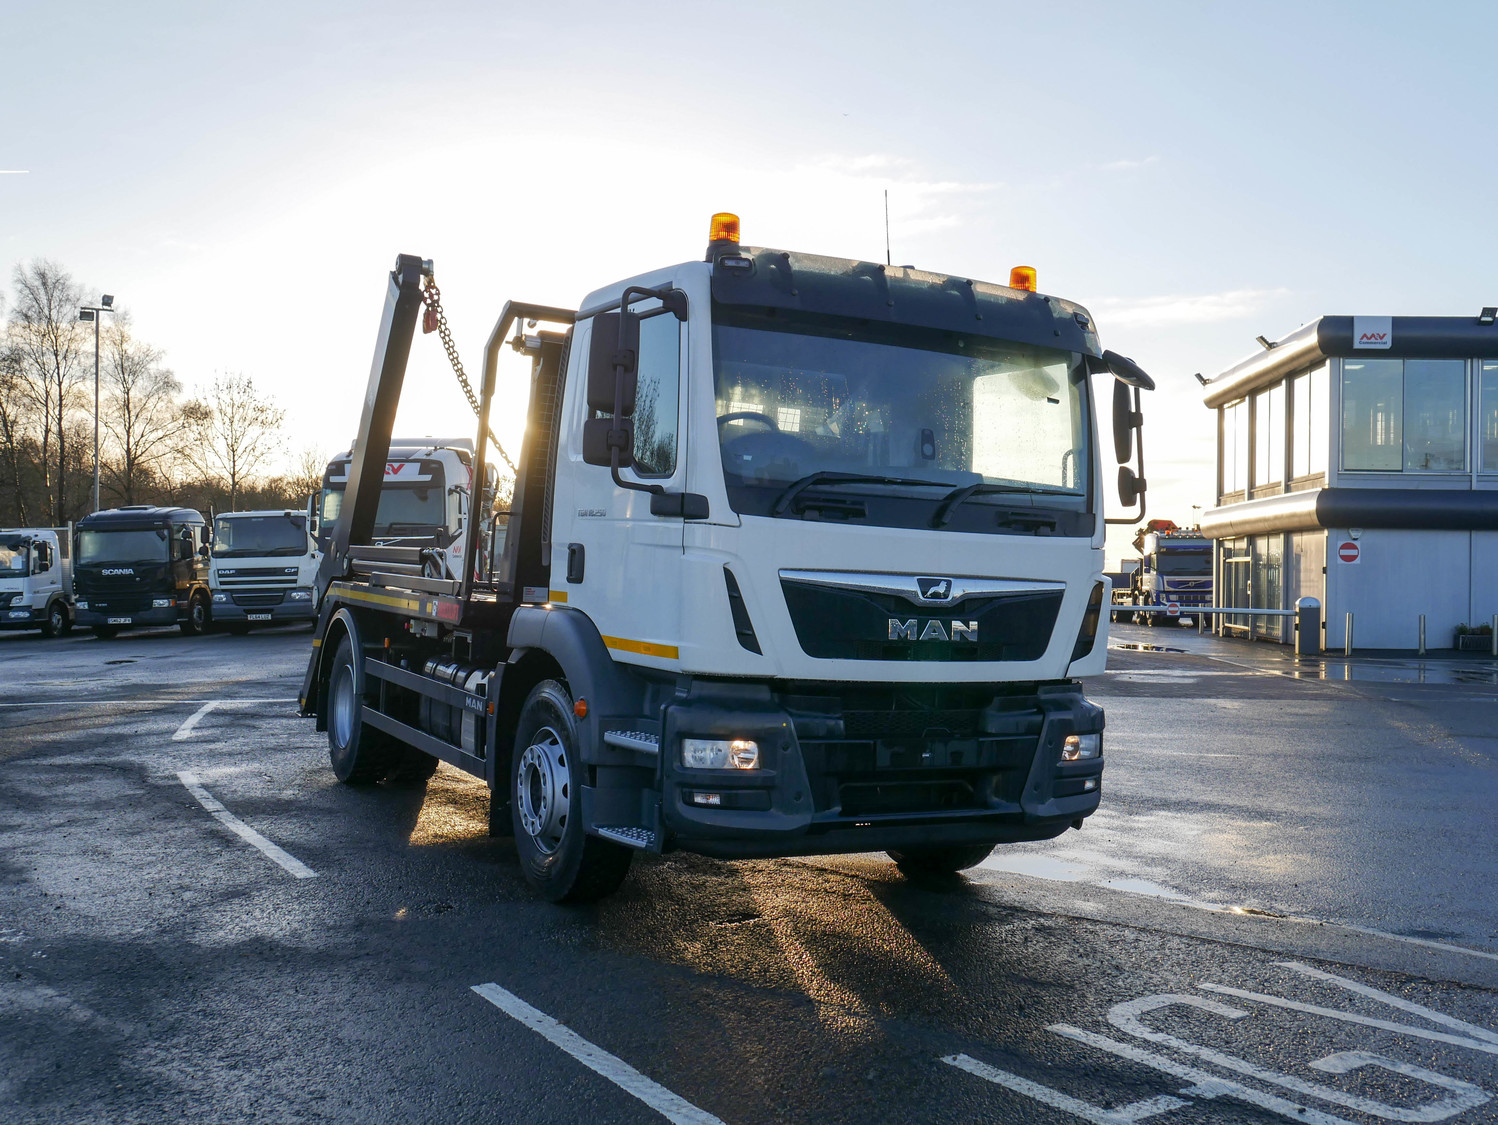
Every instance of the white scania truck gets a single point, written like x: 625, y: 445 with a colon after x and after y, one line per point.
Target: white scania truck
x: 805, y: 555
x: 36, y: 579
x: 263, y: 569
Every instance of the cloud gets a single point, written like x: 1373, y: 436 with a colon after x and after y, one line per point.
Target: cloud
x: 1127, y: 165
x: 1195, y: 308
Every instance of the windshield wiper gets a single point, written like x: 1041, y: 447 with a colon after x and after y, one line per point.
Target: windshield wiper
x: 795, y: 488
x: 958, y: 496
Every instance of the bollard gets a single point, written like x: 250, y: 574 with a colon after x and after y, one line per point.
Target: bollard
x: 1307, y: 627
x: 1347, y: 640
x: 1422, y: 634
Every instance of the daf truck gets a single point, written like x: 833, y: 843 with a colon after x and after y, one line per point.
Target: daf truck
x: 262, y: 569
x: 141, y: 566
x: 805, y: 556
x: 36, y: 579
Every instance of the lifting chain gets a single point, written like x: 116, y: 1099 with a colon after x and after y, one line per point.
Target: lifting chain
x: 433, y: 319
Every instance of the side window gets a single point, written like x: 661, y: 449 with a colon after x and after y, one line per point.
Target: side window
x: 183, y: 540
x: 658, y: 396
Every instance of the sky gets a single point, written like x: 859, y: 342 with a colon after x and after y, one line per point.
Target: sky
x: 241, y: 177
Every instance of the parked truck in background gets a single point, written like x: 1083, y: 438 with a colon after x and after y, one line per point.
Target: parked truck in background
x: 36, y: 579
x: 141, y: 566
x: 1175, y: 569
x: 262, y: 569
x: 424, y: 499
x: 804, y: 556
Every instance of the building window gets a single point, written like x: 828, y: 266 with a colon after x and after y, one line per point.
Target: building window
x: 1488, y: 425
x: 1408, y: 415
x: 1309, y: 424
x: 1269, y: 435
x: 1235, y: 447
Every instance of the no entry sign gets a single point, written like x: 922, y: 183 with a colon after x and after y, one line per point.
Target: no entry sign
x: 1349, y: 552
x: 1172, y: 609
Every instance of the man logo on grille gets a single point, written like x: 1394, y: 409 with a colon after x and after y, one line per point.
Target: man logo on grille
x: 934, y: 589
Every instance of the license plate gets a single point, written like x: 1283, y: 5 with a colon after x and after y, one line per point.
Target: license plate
x: 257, y: 617
x: 119, y: 621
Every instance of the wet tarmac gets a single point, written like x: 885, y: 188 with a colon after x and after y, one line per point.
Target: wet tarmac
x: 1282, y: 912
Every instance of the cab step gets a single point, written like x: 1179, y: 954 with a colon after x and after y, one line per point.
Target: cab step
x: 642, y: 839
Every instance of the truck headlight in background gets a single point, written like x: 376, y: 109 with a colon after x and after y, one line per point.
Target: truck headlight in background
x: 220, y: 596
x: 163, y: 603
x: 300, y: 595
x: 719, y: 754
x: 81, y: 603
x: 1081, y: 746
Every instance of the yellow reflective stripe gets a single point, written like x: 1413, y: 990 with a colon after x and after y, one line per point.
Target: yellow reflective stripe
x: 411, y: 604
x: 317, y: 642
x: 557, y: 596
x: 644, y: 648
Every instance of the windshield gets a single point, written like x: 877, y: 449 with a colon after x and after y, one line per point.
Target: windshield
x: 12, y: 556
x: 802, y: 395
x: 1196, y: 563
x: 147, y: 545
x: 241, y: 536
x: 403, y: 509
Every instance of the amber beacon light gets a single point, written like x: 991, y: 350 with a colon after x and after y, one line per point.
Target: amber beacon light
x: 1022, y: 277
x: 723, y: 228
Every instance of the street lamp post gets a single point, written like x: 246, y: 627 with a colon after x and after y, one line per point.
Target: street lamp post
x: 93, y: 313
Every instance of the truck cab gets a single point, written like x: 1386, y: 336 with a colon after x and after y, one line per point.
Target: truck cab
x: 424, y: 499
x: 36, y: 580
x: 262, y: 569
x: 1174, y: 569
x: 141, y: 566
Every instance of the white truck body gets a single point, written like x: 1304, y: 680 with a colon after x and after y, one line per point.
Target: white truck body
x: 263, y: 568
x: 36, y: 579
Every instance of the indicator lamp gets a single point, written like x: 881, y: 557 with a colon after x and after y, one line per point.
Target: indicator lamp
x: 1022, y: 277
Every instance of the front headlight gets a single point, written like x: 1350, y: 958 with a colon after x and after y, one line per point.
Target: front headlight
x: 719, y: 754
x: 162, y: 603
x: 81, y: 603
x: 300, y: 595
x: 220, y: 597
x: 1080, y: 746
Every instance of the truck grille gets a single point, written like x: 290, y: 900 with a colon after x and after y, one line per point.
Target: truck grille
x: 258, y: 600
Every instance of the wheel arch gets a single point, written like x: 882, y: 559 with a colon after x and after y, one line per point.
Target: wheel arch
x: 343, y: 624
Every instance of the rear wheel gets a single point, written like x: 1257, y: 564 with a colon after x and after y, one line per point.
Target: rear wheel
x: 196, y: 621
x: 940, y: 860
x: 360, y: 754
x: 58, y: 622
x: 557, y: 856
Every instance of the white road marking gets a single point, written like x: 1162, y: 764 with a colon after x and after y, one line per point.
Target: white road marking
x: 1123, y: 1115
x: 1391, y: 1000
x: 282, y: 857
x: 670, y: 1106
x: 133, y: 702
x: 185, y: 730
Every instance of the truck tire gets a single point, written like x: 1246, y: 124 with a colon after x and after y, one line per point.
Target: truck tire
x: 557, y: 856
x: 915, y: 862
x: 196, y: 622
x: 58, y: 623
x: 360, y: 755
x: 411, y: 767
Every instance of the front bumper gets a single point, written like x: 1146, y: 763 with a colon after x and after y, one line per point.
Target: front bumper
x: 854, y: 778
x: 123, y: 619
x: 21, y: 617
x: 227, y: 612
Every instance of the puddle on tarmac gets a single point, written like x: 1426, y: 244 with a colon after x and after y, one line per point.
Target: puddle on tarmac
x: 1132, y: 647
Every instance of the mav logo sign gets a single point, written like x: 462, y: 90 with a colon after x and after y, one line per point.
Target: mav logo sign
x: 1375, y: 332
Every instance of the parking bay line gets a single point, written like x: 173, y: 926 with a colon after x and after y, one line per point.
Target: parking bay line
x: 671, y: 1106
x: 132, y: 702
x: 279, y: 855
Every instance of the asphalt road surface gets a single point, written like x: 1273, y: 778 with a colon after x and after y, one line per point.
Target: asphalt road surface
x: 1283, y: 912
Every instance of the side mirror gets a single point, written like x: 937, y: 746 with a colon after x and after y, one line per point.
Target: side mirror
x: 1125, y: 370
x: 612, y: 362
x: 603, y: 435
x: 203, y: 550
x: 1126, y: 420
x: 1130, y: 487
x: 312, y: 515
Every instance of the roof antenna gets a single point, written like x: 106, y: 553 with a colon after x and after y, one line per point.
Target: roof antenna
x: 887, y: 259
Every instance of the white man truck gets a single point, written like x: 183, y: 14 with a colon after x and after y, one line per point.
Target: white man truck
x: 36, y: 579
x: 263, y: 569
x: 424, y: 499
x: 804, y: 556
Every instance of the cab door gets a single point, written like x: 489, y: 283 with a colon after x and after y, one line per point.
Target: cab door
x: 611, y: 557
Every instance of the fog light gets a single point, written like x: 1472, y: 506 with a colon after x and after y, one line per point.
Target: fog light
x: 217, y: 598
x: 162, y: 603
x: 1089, y: 785
x: 300, y: 595
x: 719, y: 754
x: 1080, y: 746
x: 81, y: 604
x: 707, y: 798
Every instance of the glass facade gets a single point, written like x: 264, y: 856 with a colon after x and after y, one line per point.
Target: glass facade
x: 1404, y: 415
x: 1235, y: 447
x: 1487, y: 428
x: 1310, y: 429
x: 1269, y: 435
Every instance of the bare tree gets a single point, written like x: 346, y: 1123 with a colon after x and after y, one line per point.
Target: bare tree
x: 236, y: 430
x: 307, y: 472
x: 49, y: 347
x: 143, y: 420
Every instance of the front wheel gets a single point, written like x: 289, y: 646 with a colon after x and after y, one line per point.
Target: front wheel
x: 360, y: 755
x: 196, y: 622
x: 557, y: 855
x: 940, y: 860
x: 58, y: 622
